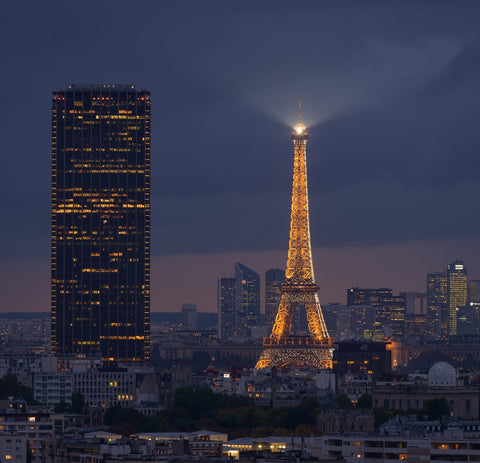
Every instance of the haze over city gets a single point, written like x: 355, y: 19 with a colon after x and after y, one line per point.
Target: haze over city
x: 391, y: 101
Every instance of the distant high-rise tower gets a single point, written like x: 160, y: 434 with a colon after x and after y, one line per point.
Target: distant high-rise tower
x: 247, y: 283
x: 101, y: 222
x: 473, y: 292
x: 457, y: 292
x: 437, y: 304
x: 273, y: 292
x: 379, y: 299
x: 226, y: 299
x: 189, y: 316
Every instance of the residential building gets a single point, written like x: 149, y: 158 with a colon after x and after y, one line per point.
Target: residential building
x: 13, y: 447
x: 36, y: 426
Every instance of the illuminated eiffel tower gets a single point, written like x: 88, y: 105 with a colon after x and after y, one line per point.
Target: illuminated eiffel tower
x: 299, y: 288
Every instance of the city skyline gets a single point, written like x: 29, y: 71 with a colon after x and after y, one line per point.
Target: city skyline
x: 393, y: 111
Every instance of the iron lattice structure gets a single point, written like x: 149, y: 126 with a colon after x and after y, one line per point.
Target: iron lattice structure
x: 299, y: 287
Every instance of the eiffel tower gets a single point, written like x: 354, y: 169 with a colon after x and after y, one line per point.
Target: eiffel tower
x: 299, y: 288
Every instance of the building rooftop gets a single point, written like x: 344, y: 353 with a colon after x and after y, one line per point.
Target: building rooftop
x: 90, y: 87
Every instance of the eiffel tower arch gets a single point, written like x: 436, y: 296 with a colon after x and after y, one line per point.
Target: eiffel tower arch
x: 299, y: 288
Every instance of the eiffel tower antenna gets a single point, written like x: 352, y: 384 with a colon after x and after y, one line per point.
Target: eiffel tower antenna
x: 299, y: 288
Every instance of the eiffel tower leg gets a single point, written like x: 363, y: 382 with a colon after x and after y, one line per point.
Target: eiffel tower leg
x: 316, y: 323
x: 283, y: 320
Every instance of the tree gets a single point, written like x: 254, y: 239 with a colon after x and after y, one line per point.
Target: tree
x: 364, y: 402
x: 10, y: 386
x: 435, y: 409
x: 201, y: 360
x: 78, y: 402
x: 61, y: 407
x: 344, y: 402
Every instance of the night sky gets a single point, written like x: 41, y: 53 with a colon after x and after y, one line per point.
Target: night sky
x: 391, y: 99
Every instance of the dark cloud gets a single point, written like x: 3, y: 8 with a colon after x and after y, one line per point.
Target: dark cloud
x: 390, y: 90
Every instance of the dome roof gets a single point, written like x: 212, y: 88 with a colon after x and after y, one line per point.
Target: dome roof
x: 442, y: 374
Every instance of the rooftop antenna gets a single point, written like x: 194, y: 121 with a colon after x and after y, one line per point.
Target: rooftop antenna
x: 300, y: 109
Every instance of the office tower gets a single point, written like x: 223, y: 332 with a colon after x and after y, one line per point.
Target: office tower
x: 247, y: 284
x: 101, y: 222
x: 362, y: 321
x: 189, y: 316
x: 416, y: 321
x: 273, y: 292
x: 437, y: 304
x: 468, y: 320
x: 395, y: 315
x: 376, y: 297
x: 457, y: 292
x: 473, y: 292
x: 226, y: 299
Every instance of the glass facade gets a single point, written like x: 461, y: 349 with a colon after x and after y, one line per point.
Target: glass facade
x: 101, y: 222
x: 248, y: 298
x: 437, y: 304
x: 457, y: 292
x: 226, y: 308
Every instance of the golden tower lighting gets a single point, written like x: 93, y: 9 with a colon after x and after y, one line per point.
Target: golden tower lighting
x: 299, y: 288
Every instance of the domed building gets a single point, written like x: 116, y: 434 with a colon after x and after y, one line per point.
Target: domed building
x: 442, y: 374
x: 441, y: 383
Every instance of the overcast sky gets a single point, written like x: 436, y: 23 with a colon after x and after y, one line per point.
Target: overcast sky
x: 391, y: 97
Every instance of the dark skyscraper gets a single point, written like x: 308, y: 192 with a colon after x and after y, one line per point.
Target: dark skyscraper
x: 248, y: 298
x: 473, y: 291
x: 226, y: 293
x: 101, y: 222
x: 273, y: 293
x: 437, y: 304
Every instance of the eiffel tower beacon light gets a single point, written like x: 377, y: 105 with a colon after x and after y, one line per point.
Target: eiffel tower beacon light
x: 299, y: 288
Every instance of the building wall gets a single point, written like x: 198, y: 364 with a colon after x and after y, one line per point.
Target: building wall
x: 13, y: 448
x: 52, y: 388
x: 106, y: 388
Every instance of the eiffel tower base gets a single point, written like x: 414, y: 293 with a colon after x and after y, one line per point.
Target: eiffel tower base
x: 276, y: 357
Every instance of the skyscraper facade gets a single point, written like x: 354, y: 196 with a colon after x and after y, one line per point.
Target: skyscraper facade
x: 226, y: 299
x: 457, y: 292
x: 437, y: 304
x: 247, y: 283
x: 273, y: 293
x: 100, y: 289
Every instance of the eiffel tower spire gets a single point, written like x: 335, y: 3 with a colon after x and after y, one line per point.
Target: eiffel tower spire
x: 299, y: 288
